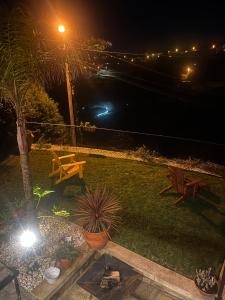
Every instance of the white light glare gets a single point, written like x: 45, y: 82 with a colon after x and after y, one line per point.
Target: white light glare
x: 27, y: 239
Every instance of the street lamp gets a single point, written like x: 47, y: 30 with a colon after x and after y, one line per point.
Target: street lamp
x: 61, y: 29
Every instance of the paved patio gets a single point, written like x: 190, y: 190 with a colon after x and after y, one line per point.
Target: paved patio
x: 147, y: 290
x: 9, y: 293
x: 158, y: 283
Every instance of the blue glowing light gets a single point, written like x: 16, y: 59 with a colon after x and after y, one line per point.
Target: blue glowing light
x: 104, y: 113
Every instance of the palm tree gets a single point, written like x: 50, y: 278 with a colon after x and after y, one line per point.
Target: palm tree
x: 28, y: 58
x: 19, y: 68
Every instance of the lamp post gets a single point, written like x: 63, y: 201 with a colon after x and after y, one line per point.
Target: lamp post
x: 61, y: 29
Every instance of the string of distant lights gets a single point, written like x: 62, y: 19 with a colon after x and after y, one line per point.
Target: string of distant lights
x: 184, y: 76
x: 148, y: 54
x: 122, y: 56
x: 128, y: 57
x: 134, y: 132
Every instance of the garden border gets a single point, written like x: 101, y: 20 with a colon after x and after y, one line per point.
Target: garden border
x: 119, y: 154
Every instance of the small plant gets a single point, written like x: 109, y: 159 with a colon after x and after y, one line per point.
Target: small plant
x: 60, y: 212
x: 40, y: 193
x: 66, y: 251
x: 206, y: 280
x: 98, y: 210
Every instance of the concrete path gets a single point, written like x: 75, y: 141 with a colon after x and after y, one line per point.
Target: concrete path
x: 147, y: 290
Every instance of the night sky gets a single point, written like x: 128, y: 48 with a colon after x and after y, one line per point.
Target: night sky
x: 153, y: 26
x: 139, y: 25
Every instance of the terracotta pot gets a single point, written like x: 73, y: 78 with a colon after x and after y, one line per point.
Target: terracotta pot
x: 207, y: 294
x: 65, y: 263
x: 96, y: 240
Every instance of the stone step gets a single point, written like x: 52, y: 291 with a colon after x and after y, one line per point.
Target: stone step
x: 149, y: 290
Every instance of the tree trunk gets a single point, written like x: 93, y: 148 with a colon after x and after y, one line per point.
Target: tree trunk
x: 24, y: 162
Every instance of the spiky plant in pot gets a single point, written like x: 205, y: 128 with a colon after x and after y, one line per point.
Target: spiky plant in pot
x: 206, y: 281
x: 98, y: 212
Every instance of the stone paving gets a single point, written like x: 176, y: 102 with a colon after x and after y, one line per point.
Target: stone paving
x: 147, y: 290
x: 9, y: 293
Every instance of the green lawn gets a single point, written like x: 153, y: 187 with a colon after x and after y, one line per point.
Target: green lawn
x: 183, y: 238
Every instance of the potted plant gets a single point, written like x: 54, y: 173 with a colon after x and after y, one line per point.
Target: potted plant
x: 98, y: 212
x: 65, y: 255
x: 206, y: 282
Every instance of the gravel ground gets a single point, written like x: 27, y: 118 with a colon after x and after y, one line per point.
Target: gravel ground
x: 32, y: 264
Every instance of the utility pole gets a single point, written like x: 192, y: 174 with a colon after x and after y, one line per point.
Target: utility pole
x: 70, y: 102
x: 61, y: 29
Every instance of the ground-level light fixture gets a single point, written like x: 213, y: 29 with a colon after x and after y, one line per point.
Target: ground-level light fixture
x: 61, y: 28
x: 27, y: 238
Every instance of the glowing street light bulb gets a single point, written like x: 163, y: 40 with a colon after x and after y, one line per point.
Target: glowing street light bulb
x: 61, y: 28
x: 147, y: 56
x: 213, y: 46
x: 176, y: 50
x: 27, y: 239
x: 193, y: 48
